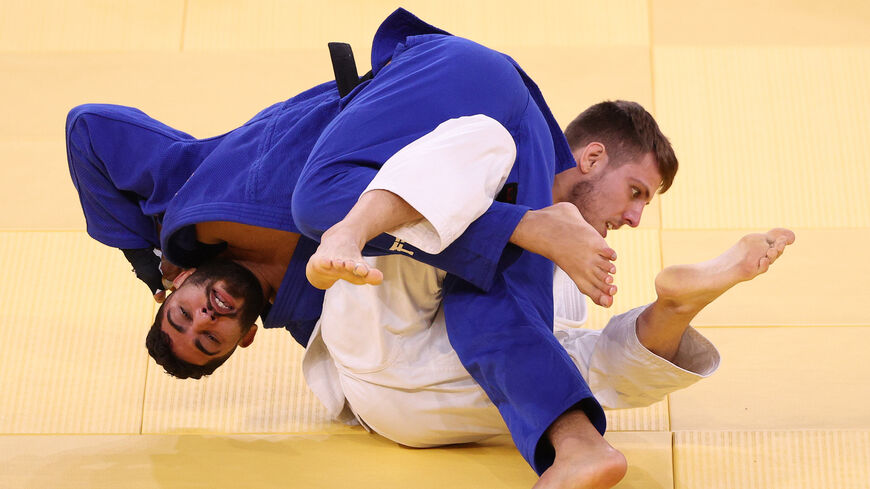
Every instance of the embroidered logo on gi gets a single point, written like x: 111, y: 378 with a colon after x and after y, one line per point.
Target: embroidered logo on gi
x: 508, y: 194
x: 397, y: 246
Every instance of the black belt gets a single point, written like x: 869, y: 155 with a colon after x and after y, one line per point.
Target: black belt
x: 344, y: 67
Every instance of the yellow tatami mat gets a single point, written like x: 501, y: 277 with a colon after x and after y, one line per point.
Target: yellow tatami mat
x: 772, y: 459
x: 277, y: 24
x: 259, y: 390
x: 753, y: 22
x: 20, y: 188
x: 72, y: 358
x: 166, y: 86
x: 294, y: 461
x: 781, y: 378
x: 821, y: 280
x: 765, y: 138
x: 90, y: 25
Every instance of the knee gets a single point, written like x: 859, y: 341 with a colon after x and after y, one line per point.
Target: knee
x: 325, y: 193
x: 76, y: 119
x: 80, y: 118
x: 305, y: 214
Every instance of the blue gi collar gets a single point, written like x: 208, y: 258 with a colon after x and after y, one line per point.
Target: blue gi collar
x: 402, y: 24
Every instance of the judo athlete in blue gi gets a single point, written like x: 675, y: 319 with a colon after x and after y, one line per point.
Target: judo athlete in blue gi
x: 497, y: 302
x: 245, y: 195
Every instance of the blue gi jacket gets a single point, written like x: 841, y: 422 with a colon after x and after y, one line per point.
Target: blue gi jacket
x: 132, y: 172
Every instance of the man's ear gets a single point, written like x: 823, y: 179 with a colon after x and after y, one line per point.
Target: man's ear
x: 590, y: 157
x: 249, y: 337
x: 182, y: 277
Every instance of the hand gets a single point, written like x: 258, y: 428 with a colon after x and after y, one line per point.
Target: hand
x: 147, y: 265
x: 560, y: 233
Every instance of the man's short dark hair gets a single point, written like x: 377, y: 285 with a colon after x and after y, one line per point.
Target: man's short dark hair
x: 160, y: 348
x: 627, y: 131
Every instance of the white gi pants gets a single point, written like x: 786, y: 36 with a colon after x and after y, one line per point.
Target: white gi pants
x: 385, y: 350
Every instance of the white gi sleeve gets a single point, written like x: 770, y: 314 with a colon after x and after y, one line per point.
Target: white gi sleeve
x: 622, y: 373
x: 450, y: 176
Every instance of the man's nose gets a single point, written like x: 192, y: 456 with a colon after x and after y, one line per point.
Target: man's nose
x: 633, y: 214
x: 202, y: 319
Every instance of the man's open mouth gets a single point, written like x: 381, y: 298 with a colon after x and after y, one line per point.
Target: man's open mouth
x: 222, y: 302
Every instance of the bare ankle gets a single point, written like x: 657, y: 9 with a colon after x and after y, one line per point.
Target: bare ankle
x: 343, y: 231
x: 583, y: 457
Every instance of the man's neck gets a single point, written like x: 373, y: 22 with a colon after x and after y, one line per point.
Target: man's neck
x: 563, y: 182
x: 265, y: 252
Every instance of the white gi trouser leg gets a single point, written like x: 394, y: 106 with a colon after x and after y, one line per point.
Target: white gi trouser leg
x: 395, y: 366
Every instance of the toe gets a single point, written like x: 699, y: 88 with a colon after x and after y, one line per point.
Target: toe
x: 374, y: 277
x: 787, y: 234
x: 360, y: 269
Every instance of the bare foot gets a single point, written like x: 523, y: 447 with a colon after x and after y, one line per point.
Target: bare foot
x: 691, y: 287
x: 560, y: 233
x: 584, y: 459
x: 338, y: 258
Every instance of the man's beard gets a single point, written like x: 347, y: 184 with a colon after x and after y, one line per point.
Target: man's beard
x: 584, y: 195
x: 238, y: 281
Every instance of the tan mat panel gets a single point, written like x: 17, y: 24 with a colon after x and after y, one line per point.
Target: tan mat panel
x: 265, y: 461
x: 649, y: 456
x: 781, y: 378
x: 651, y: 418
x: 820, y: 280
x: 260, y: 390
x: 637, y: 264
x: 36, y: 189
x: 595, y: 74
x: 766, y: 136
x: 275, y: 24
x: 243, y: 83
x: 760, y: 22
x: 202, y: 94
x: 772, y: 459
x: 72, y: 351
x: 87, y: 25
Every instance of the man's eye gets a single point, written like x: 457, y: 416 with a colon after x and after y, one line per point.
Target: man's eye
x: 211, y: 337
x: 184, y: 313
x: 635, y: 192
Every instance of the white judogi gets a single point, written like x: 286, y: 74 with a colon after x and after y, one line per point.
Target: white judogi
x: 381, y: 354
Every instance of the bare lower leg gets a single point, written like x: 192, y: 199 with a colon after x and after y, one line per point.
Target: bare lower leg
x: 584, y: 459
x: 684, y: 290
x: 339, y: 255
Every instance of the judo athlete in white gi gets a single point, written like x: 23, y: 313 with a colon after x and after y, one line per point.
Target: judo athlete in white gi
x: 381, y: 354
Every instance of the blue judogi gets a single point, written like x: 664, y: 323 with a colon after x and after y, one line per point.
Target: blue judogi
x: 133, y: 172
x: 498, y: 305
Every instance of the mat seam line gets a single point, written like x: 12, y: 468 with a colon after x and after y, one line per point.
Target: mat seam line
x: 183, y: 26
x: 144, y: 390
